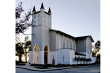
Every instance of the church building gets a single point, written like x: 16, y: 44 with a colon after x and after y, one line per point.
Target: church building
x: 53, y: 46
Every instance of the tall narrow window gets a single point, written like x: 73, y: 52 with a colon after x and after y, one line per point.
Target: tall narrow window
x: 67, y: 44
x: 64, y: 43
x: 63, y: 57
x: 37, y: 57
x: 70, y: 45
x: 34, y: 23
x: 34, y: 16
x: 44, y: 16
x: 38, y: 21
x: 38, y: 15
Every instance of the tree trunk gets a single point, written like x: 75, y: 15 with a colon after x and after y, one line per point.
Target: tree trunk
x: 20, y: 58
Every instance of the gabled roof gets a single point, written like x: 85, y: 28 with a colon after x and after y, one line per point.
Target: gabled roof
x: 62, y: 33
x: 79, y: 54
x: 84, y: 37
x: 81, y: 37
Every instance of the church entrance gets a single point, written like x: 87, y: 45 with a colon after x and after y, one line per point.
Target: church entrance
x: 46, y: 52
x: 36, y: 54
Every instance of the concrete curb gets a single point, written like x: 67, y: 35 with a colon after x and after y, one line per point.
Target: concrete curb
x: 38, y: 70
x: 52, y: 69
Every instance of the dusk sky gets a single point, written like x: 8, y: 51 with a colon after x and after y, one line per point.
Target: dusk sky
x: 74, y: 17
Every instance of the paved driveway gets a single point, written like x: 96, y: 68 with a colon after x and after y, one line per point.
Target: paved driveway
x: 85, y: 69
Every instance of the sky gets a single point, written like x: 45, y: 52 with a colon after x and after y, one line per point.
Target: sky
x: 74, y: 17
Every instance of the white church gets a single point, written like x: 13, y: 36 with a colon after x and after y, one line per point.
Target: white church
x: 49, y: 44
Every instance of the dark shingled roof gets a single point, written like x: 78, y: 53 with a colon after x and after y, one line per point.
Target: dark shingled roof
x: 62, y: 33
x: 79, y: 54
x: 36, y: 12
x: 82, y: 37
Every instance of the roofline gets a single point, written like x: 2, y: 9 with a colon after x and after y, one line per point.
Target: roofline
x: 62, y: 33
x: 81, y: 37
x: 76, y: 53
x: 36, y: 12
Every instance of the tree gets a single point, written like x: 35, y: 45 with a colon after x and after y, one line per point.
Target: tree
x: 22, y: 23
x: 27, y: 45
x: 19, y: 50
x: 96, y: 48
x: 97, y: 45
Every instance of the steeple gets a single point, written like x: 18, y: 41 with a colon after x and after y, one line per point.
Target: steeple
x: 34, y: 10
x: 42, y: 6
x: 49, y: 11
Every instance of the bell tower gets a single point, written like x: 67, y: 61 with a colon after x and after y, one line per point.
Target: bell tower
x: 41, y: 21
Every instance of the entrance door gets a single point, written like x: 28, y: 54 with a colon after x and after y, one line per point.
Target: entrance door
x: 46, y: 55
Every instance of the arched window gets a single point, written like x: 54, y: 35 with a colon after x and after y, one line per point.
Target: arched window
x: 46, y: 48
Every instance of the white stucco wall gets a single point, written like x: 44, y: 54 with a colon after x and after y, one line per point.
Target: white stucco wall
x: 93, y: 60
x: 29, y: 57
x: 52, y: 55
x: 41, y: 57
x: 88, y: 45
x: 72, y: 56
x: 66, y: 54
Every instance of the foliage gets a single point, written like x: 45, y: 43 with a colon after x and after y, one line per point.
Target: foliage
x: 98, y: 44
x: 19, y: 49
x: 75, y: 58
x: 28, y: 43
x: 81, y: 59
x: 78, y: 59
x: 22, y: 23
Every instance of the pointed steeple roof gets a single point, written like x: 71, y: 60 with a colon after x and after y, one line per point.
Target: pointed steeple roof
x: 34, y: 10
x: 49, y: 11
x: 42, y: 6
